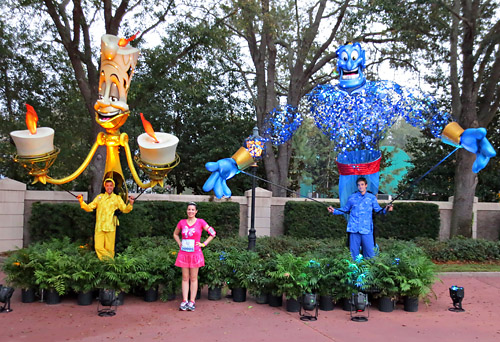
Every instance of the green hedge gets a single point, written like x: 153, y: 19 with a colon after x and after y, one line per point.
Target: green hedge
x: 408, y: 221
x: 311, y: 220
x: 159, y: 218
x: 460, y: 248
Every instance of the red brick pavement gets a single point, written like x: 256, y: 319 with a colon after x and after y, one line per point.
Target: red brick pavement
x: 226, y: 320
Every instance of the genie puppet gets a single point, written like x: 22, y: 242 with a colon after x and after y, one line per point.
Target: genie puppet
x: 357, y: 113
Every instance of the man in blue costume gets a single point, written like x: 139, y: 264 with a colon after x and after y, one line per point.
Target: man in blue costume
x: 361, y: 206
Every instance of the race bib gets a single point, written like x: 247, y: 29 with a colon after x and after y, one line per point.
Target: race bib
x: 187, y: 245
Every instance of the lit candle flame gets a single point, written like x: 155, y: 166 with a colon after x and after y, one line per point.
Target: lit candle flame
x: 31, y: 119
x: 148, y: 128
x: 123, y: 42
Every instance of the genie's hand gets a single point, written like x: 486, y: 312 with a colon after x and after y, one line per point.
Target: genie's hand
x: 221, y: 170
x: 474, y: 140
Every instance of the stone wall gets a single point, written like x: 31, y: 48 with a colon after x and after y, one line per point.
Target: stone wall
x: 11, y: 214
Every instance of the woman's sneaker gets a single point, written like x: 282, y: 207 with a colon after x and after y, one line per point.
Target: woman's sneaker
x: 183, y: 306
x: 191, y: 306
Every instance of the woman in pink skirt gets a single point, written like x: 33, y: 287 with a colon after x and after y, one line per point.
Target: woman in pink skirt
x: 190, y: 257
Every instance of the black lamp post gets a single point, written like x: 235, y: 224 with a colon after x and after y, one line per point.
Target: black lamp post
x: 255, y: 145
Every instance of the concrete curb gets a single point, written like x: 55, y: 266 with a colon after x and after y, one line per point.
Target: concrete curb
x: 469, y: 274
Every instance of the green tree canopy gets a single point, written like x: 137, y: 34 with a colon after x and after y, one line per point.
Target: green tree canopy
x: 196, y: 100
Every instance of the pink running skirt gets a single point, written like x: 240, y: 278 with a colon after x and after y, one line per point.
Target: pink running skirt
x: 190, y: 259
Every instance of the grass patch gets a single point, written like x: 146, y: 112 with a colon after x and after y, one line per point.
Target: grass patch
x: 461, y: 266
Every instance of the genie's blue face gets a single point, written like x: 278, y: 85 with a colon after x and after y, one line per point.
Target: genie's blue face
x: 350, y: 66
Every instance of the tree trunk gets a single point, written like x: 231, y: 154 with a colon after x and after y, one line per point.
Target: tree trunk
x: 463, y: 200
x: 465, y: 179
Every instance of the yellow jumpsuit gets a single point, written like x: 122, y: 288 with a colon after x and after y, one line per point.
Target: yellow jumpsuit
x: 106, y: 222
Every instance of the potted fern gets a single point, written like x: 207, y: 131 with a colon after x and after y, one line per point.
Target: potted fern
x: 259, y: 284
x: 84, y: 274
x: 290, y: 279
x: 52, y: 273
x: 119, y: 274
x: 153, y: 264
x: 21, y: 274
x: 215, y: 273
x: 385, y: 275
x: 239, y: 263
x: 357, y: 278
x: 331, y: 272
x: 415, y: 279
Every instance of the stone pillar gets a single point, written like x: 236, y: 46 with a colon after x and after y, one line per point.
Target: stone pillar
x: 262, y: 211
x: 474, y: 217
x: 12, y: 195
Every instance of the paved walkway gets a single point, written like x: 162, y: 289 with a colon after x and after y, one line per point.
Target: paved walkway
x: 225, y: 320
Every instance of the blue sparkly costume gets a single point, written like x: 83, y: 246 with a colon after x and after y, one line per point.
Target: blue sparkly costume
x: 360, y: 225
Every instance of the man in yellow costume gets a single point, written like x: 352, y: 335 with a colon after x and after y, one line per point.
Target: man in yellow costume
x: 106, y: 221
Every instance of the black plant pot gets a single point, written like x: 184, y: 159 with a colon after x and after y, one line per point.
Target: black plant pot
x: 239, y: 294
x: 346, y: 305
x: 52, y: 297
x: 215, y: 293
x: 262, y: 298
x: 292, y: 305
x: 275, y: 301
x: 326, y: 303
x: 85, y: 298
x: 411, y: 304
x: 120, y: 298
x: 151, y: 295
x: 170, y: 296
x: 27, y: 295
x: 386, y: 304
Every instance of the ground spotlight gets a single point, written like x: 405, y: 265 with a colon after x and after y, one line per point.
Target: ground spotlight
x: 107, y: 298
x: 309, y: 302
x: 457, y: 294
x: 359, y: 303
x: 5, y: 295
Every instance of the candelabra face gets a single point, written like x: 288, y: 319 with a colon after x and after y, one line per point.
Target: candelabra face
x: 350, y: 66
x: 117, y: 67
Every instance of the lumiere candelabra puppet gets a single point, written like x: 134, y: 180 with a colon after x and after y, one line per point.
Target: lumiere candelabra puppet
x: 357, y: 113
x: 36, y: 152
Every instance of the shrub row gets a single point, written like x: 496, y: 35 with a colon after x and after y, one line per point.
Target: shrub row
x: 296, y: 268
x: 159, y: 218
x: 460, y: 249
x: 408, y: 221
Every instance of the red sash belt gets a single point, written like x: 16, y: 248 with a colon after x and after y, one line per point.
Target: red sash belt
x: 359, y: 169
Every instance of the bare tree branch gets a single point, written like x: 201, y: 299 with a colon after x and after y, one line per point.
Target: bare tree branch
x: 312, y: 65
x: 487, y: 108
x: 160, y: 20
x: 491, y: 38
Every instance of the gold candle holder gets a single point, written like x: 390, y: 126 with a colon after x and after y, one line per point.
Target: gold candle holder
x: 38, y: 165
x: 155, y: 172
